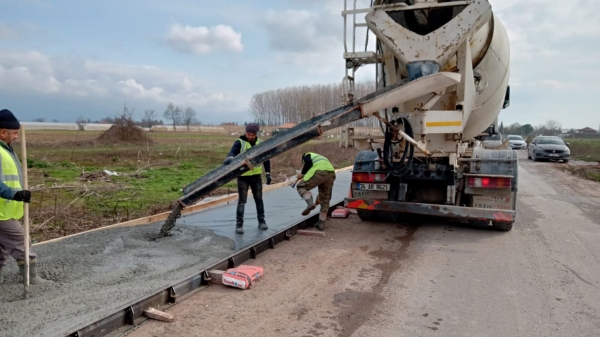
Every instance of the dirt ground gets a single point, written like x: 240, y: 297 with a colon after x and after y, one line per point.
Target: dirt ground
x: 432, y: 278
x: 311, y: 287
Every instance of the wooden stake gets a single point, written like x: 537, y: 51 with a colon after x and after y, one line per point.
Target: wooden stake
x: 216, y: 276
x: 310, y: 233
x: 159, y: 315
x: 25, y: 212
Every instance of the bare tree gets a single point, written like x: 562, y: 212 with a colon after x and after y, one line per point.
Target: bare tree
x: 541, y: 130
x: 55, y: 121
x: 297, y: 104
x: 173, y: 113
x: 149, y: 118
x: 39, y: 120
x: 81, y: 123
x: 189, y: 117
x: 513, y: 129
x: 553, y: 126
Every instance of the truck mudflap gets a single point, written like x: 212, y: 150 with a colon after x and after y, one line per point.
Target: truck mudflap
x: 445, y: 211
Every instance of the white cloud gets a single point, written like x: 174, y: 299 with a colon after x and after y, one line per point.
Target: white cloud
x: 305, y: 39
x: 546, y: 39
x: 36, y: 73
x: 299, y: 31
x: 204, y: 40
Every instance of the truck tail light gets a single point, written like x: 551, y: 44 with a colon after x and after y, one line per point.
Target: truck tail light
x: 489, y: 182
x: 368, y: 177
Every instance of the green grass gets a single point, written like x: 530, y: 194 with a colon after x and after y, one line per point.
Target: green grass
x: 585, y: 149
x: 593, y: 176
x: 161, y: 173
x: 71, y: 194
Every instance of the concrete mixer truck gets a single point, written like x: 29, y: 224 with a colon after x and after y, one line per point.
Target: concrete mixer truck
x: 442, y: 80
x: 450, y: 173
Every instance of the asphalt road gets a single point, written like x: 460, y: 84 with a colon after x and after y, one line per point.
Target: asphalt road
x: 430, y: 278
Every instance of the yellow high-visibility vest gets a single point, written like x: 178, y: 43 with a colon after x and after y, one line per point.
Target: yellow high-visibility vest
x: 10, y: 173
x: 247, y: 146
x: 320, y: 163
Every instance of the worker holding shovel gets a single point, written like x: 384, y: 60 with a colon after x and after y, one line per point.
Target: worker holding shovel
x: 316, y: 172
x: 12, y: 235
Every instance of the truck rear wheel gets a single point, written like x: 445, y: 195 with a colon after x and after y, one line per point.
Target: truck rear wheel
x: 367, y: 215
x: 481, y: 224
x: 503, y: 226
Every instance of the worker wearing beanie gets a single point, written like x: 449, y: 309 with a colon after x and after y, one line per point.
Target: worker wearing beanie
x: 251, y: 179
x: 316, y: 172
x: 12, y: 235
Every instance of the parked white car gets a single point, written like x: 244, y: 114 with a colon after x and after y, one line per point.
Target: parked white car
x: 517, y: 142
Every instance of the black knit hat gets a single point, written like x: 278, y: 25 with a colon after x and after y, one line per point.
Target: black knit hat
x: 252, y: 128
x: 8, y: 120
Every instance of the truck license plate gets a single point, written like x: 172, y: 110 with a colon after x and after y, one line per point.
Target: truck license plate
x: 364, y: 194
x: 488, y: 202
x: 373, y: 187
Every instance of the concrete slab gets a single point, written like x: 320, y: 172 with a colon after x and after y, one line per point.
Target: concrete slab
x: 283, y: 207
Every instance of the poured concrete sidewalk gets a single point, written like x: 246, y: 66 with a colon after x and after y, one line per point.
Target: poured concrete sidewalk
x: 91, y: 275
x: 283, y: 208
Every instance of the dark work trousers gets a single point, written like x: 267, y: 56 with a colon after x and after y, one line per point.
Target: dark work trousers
x: 12, y: 242
x: 255, y: 183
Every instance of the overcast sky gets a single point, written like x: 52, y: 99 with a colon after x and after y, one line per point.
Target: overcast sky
x: 68, y: 58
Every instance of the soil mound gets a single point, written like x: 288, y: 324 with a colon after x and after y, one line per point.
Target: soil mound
x: 124, y: 131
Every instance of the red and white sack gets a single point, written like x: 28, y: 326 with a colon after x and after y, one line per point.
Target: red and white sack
x: 340, y: 213
x: 242, y: 277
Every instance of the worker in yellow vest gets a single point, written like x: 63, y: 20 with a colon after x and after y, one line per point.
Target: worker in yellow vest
x: 316, y: 172
x: 251, y: 179
x: 12, y: 235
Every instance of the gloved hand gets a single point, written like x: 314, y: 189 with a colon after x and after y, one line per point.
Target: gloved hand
x: 268, y: 178
x: 228, y: 160
x: 24, y: 196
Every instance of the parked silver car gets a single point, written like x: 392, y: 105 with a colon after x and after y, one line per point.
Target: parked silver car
x: 549, y: 148
x: 517, y: 142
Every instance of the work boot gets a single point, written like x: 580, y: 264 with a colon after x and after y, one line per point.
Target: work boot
x: 33, y: 275
x: 320, y: 225
x: 239, y: 228
x: 310, y: 205
x: 263, y: 225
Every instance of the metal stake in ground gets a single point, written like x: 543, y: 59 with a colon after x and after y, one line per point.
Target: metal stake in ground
x: 25, y: 213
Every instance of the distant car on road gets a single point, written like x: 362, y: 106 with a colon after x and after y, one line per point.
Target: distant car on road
x: 493, y: 141
x: 517, y: 142
x: 548, y: 148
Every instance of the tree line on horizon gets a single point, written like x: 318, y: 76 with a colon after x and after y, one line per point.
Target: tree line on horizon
x: 551, y: 127
x: 299, y: 103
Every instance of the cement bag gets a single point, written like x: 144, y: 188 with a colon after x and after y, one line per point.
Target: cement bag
x: 242, y: 277
x: 340, y: 213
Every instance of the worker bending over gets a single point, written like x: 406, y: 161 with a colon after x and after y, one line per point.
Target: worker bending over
x: 317, y: 172
x: 251, y: 179
x: 12, y: 235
